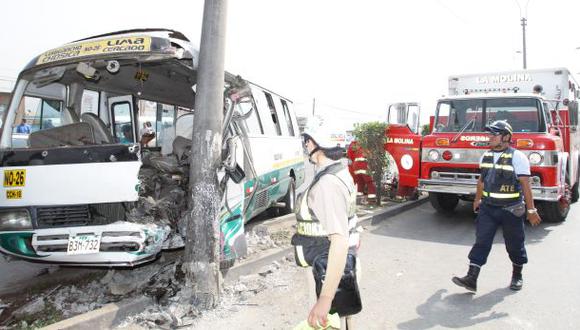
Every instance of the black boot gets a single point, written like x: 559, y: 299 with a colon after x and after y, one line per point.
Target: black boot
x: 469, y: 281
x: 517, y: 279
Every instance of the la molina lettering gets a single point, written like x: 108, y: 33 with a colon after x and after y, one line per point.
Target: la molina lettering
x: 399, y: 140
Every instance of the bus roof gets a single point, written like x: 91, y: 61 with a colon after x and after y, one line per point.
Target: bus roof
x: 127, y: 43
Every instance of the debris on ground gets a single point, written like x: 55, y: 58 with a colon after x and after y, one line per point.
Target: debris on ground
x: 3, y: 306
x: 235, y: 296
x: 163, y: 281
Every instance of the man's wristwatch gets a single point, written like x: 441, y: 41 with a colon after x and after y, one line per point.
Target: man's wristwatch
x: 532, y: 211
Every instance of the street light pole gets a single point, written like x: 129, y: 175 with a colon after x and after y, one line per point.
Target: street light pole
x: 524, y: 23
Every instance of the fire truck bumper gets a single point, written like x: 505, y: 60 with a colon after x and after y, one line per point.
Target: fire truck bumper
x: 465, y: 187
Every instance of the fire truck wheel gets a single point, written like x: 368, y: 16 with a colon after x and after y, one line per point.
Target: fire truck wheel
x: 553, y: 211
x: 290, y: 198
x: 575, y: 192
x: 444, y: 203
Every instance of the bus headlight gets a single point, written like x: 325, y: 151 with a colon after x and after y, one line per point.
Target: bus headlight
x: 433, y: 155
x: 15, y: 219
x: 535, y: 158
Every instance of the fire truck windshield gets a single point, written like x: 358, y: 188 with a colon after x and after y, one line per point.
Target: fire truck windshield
x: 471, y: 115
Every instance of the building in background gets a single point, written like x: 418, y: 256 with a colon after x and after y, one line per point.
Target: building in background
x: 6, y: 86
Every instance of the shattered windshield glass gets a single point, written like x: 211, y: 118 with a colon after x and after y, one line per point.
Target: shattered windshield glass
x: 473, y: 115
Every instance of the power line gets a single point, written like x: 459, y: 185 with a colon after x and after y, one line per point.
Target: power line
x: 348, y: 110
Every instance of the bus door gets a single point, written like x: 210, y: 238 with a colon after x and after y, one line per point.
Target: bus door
x: 404, y: 144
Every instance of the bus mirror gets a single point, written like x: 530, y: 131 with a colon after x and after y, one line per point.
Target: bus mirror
x: 236, y: 173
x: 231, y: 166
x: 573, y: 112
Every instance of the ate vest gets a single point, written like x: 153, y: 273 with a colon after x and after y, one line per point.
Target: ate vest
x: 311, y: 240
x: 500, y: 182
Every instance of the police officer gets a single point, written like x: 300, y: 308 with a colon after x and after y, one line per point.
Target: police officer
x: 502, y: 188
x: 326, y: 237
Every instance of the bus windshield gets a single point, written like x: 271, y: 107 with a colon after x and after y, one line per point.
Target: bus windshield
x: 523, y: 114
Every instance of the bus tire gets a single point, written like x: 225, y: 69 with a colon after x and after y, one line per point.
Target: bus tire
x: 553, y: 212
x: 442, y: 202
x: 290, y: 198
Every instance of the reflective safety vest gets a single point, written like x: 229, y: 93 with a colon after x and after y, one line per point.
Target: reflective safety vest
x: 311, y: 240
x: 500, y: 182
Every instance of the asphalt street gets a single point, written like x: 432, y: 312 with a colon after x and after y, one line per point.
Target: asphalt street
x: 409, y: 261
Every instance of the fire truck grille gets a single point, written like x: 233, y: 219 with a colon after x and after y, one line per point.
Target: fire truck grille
x: 458, y: 176
x: 63, y: 216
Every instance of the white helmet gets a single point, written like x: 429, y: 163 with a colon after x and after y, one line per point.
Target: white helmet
x: 318, y: 132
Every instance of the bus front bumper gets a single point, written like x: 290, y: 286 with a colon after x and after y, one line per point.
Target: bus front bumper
x: 120, y: 244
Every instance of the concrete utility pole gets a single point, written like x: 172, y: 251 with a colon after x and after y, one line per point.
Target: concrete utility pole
x: 201, y: 264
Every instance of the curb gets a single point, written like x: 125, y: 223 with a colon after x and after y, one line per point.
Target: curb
x: 113, y: 314
x: 105, y: 317
x: 396, y: 209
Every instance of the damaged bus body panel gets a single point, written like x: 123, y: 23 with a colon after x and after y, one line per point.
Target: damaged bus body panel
x: 95, y: 149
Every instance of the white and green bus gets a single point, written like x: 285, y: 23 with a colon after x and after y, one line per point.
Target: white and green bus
x: 75, y: 167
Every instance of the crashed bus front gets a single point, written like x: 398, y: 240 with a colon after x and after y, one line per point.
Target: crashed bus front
x: 70, y: 152
x: 96, y: 144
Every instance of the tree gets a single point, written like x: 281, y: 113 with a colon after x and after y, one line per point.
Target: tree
x: 371, y: 137
x: 425, y: 129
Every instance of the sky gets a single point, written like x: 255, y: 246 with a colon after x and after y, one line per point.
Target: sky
x: 354, y: 57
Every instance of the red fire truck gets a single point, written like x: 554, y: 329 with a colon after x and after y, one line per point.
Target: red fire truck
x: 541, y: 106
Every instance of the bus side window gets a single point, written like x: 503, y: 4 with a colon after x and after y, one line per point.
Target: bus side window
x: 165, y: 123
x: 288, y: 117
x: 264, y: 113
x: 122, y: 126
x: 35, y: 114
x: 275, y: 118
x: 147, y: 123
x: 251, y: 123
x: 90, y: 102
x: 38, y: 114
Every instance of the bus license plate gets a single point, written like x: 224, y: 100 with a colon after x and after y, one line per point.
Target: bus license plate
x: 15, y: 178
x: 84, y: 244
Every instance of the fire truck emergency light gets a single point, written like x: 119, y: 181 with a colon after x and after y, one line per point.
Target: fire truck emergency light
x: 524, y: 143
x: 442, y: 142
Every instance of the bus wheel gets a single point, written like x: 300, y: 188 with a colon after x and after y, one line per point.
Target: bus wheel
x: 442, y: 202
x: 290, y: 198
x: 554, y: 211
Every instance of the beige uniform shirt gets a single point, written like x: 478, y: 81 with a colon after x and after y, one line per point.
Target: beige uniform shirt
x: 329, y: 199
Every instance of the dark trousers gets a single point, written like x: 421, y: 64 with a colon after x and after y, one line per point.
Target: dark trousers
x: 488, y: 220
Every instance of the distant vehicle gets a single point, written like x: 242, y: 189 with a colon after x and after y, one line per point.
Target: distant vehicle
x: 80, y: 189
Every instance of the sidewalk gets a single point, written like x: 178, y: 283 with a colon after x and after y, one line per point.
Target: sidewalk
x: 252, y: 295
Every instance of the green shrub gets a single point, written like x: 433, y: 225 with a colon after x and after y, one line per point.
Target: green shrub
x: 371, y: 138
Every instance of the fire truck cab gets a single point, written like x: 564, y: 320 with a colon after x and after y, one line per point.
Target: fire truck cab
x: 545, y: 127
